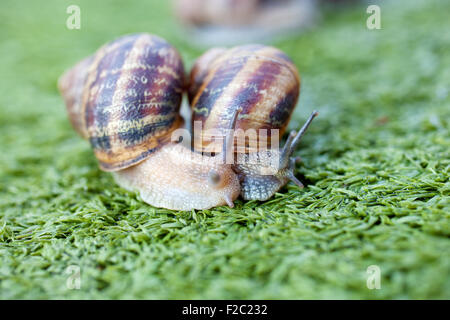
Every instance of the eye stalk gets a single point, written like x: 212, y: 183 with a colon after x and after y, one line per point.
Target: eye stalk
x: 293, y: 141
x: 227, y: 147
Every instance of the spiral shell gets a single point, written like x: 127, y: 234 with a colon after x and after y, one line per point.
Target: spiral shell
x: 260, y: 80
x: 125, y: 98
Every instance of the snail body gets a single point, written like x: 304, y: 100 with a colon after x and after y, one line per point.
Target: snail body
x: 125, y: 100
x: 176, y: 178
x: 264, y: 83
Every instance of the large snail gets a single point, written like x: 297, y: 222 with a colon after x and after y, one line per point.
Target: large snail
x: 125, y: 100
x: 264, y: 83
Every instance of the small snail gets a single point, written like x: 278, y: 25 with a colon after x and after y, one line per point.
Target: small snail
x: 210, y: 22
x: 125, y: 100
x: 265, y: 84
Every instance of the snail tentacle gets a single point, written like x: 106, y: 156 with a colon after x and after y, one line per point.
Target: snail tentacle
x: 294, y: 138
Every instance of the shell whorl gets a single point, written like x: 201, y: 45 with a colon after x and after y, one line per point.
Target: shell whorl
x: 261, y: 80
x: 125, y: 98
x: 71, y: 85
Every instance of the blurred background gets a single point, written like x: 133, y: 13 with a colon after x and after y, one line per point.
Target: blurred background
x: 376, y: 160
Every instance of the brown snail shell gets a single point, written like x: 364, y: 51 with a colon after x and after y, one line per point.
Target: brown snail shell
x: 260, y: 80
x: 264, y: 84
x: 125, y: 98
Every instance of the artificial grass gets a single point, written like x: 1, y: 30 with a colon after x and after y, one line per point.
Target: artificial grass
x: 376, y: 165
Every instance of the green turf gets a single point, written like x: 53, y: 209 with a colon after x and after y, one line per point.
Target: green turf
x: 376, y: 167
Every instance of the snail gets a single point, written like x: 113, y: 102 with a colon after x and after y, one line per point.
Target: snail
x: 125, y: 99
x: 264, y: 83
x: 210, y: 22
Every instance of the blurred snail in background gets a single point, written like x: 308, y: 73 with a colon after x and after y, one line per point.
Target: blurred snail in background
x: 125, y: 100
x: 264, y: 84
x: 232, y: 22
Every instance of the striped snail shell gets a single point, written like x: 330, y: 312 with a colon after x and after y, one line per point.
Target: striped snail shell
x: 264, y: 83
x: 260, y: 80
x: 125, y: 98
